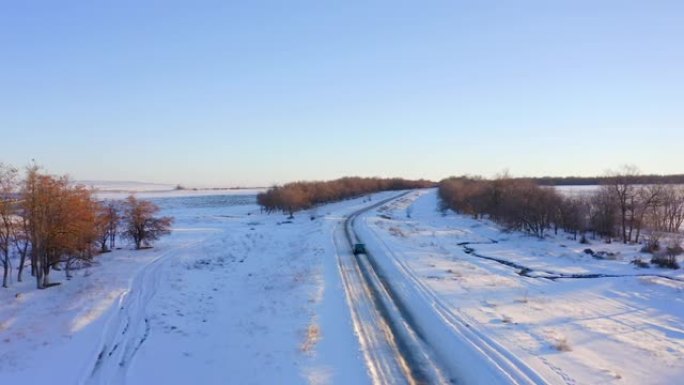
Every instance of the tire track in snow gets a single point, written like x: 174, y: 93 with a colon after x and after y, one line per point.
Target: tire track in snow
x: 129, y: 327
x: 377, y: 343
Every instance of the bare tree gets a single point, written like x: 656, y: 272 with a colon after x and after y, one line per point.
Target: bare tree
x: 669, y: 216
x: 573, y: 214
x: 647, y: 197
x: 108, y: 220
x: 621, y: 185
x: 22, y: 243
x: 140, y: 224
x: 515, y: 203
x: 8, y: 221
x: 620, y: 208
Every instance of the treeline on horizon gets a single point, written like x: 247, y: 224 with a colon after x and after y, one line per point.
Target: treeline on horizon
x: 599, y: 180
x: 292, y: 197
x: 620, y: 208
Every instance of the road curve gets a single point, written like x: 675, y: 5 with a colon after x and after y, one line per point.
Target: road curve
x: 393, y: 350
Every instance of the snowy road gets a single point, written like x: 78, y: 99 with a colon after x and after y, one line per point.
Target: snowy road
x: 423, y: 341
x: 393, y: 351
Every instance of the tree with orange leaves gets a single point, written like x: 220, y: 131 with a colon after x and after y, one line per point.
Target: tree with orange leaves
x: 140, y: 224
x: 61, y: 223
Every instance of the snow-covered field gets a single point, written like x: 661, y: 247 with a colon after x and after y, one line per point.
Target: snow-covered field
x: 576, y: 191
x: 232, y: 296
x: 235, y: 296
x: 120, y: 190
x: 627, y: 329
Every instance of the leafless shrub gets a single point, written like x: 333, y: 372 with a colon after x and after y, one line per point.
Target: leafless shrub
x: 665, y: 261
x: 640, y: 263
x: 674, y: 246
x: 652, y: 244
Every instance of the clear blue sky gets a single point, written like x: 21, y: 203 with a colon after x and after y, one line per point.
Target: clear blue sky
x: 254, y: 92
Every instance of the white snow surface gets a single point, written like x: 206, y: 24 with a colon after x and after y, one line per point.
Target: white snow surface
x: 235, y: 296
x: 120, y: 190
x: 492, y: 325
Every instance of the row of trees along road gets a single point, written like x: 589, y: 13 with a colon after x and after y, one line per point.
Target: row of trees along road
x: 296, y: 196
x: 49, y: 223
x: 620, y: 208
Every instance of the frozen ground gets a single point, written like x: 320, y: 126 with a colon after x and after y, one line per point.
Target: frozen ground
x: 488, y: 320
x: 120, y: 190
x: 232, y: 296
